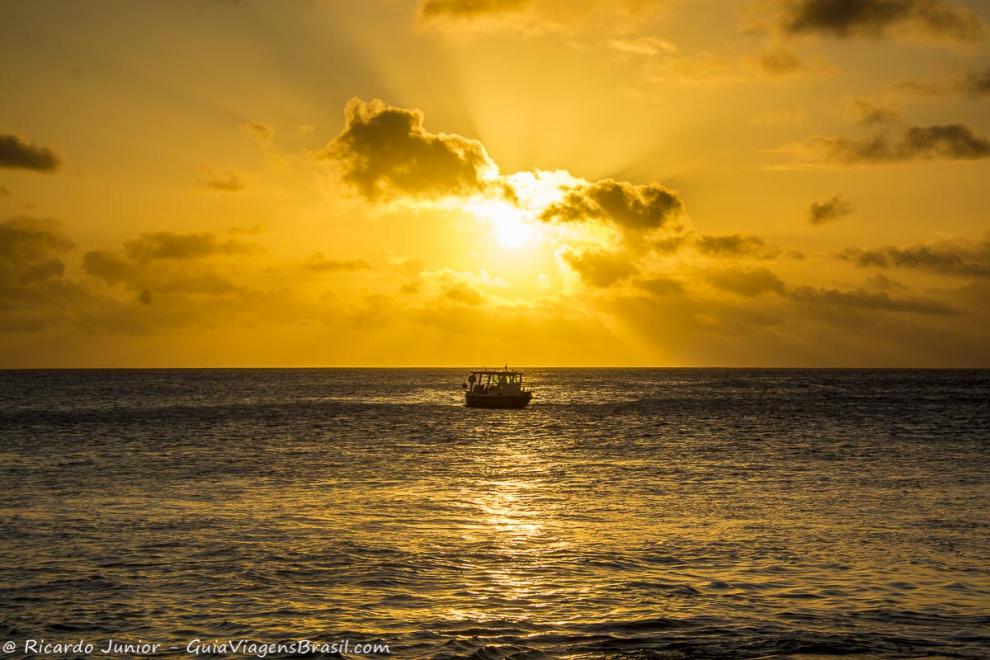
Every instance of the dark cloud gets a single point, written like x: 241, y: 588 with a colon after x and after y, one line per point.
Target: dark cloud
x: 320, y: 264
x: 260, y: 130
x: 178, y: 267
x: 829, y: 210
x: 976, y: 82
x: 228, y: 182
x: 734, y: 245
x: 108, y: 266
x: 661, y: 286
x: 385, y: 152
x: 614, y: 17
x: 5, y: 191
x: 26, y: 243
x: 752, y: 283
x: 147, y: 278
x: 846, y: 18
x: 971, y: 82
x: 469, y: 8
x: 945, y: 141
x: 600, y: 268
x: 780, y: 62
x: 961, y: 259
x: 34, y: 293
x: 168, y: 245
x: 747, y: 282
x: 861, y: 299
x: 873, y: 115
x: 627, y: 205
x: 18, y: 153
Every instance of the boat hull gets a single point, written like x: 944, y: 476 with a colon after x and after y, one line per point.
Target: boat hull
x: 489, y: 401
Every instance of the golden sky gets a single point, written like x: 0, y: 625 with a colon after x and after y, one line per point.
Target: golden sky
x: 467, y: 182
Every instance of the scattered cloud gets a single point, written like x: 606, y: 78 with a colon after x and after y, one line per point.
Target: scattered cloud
x: 168, y: 245
x: 935, y: 19
x: 629, y: 206
x: 860, y: 299
x: 937, y: 142
x: 976, y: 82
x: 734, y: 246
x: 643, y: 45
x: 599, y: 268
x: 34, y: 294
x: 829, y: 210
x: 876, y: 115
x: 746, y: 282
x: 385, y: 152
x: 973, y: 82
x: 260, y: 130
x: 317, y: 263
x: 15, y: 152
x: 780, y: 62
x: 959, y: 258
x: 661, y: 286
x: 537, y: 16
x: 464, y: 294
x: 752, y: 283
x: 222, y: 182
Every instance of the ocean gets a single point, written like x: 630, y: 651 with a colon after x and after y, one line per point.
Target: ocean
x: 625, y: 513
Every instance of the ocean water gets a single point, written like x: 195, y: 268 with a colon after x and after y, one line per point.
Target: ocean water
x: 625, y: 513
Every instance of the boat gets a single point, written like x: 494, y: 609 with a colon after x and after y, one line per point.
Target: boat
x: 496, y: 389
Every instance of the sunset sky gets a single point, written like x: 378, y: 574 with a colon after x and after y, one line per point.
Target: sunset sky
x: 466, y: 182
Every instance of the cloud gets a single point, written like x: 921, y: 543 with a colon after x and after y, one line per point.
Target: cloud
x: 34, y: 293
x: 780, y: 62
x: 829, y: 210
x: 937, y: 142
x: 937, y: 19
x: 751, y: 283
x: 599, y: 268
x: 260, y: 130
x: 734, y: 245
x: 228, y: 182
x: 634, y: 207
x: 5, y: 191
x: 168, y: 245
x: 385, y: 152
x: 27, y: 242
x: 470, y: 8
x: 970, y: 259
x: 661, y: 286
x: 464, y: 294
x: 317, y: 263
x: 18, y: 153
x: 976, y: 82
x: 537, y: 16
x: 875, y: 115
x: 167, y: 264
x: 643, y: 45
x: 861, y: 299
x: 746, y: 282
x: 972, y: 82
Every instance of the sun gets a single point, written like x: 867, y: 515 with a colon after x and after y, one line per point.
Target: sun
x: 512, y: 232
x: 508, y: 223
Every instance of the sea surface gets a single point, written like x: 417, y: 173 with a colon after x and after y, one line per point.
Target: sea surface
x: 625, y: 513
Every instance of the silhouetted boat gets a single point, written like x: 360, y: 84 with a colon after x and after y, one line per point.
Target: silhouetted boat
x: 496, y: 389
